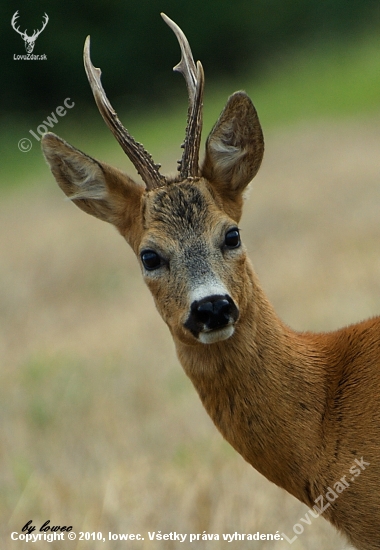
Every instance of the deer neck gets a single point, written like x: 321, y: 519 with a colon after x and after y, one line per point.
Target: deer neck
x: 258, y: 385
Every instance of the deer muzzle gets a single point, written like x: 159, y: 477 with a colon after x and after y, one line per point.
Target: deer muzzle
x: 212, y: 318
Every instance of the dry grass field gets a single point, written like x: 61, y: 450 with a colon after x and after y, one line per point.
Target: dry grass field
x: 100, y: 428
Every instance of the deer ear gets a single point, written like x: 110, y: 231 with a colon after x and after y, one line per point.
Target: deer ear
x: 95, y: 187
x: 235, y: 147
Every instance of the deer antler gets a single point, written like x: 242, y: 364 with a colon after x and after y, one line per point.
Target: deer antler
x: 44, y: 23
x: 13, y: 23
x: 141, y: 159
x: 188, y: 166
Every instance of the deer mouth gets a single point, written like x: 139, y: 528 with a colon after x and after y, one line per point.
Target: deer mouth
x: 216, y: 335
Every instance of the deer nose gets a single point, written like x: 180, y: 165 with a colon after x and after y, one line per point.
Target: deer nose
x: 214, y: 313
x: 210, y: 313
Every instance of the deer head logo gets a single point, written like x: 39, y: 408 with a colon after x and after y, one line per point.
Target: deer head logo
x: 29, y: 40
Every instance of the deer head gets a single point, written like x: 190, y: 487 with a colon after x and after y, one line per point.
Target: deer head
x: 183, y: 230
x: 29, y: 40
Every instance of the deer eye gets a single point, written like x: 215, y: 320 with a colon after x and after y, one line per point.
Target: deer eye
x: 150, y: 259
x: 232, y: 238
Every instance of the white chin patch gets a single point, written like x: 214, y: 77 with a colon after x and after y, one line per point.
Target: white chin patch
x: 212, y: 336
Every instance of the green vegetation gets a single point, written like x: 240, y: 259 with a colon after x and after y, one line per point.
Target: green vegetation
x: 333, y: 80
x: 226, y: 36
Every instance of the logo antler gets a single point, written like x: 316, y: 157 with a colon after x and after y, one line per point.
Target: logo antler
x: 29, y: 40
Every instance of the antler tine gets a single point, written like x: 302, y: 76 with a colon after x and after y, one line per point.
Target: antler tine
x: 186, y: 66
x: 194, y: 77
x: 44, y: 22
x: 13, y: 23
x: 141, y: 159
x: 37, y: 32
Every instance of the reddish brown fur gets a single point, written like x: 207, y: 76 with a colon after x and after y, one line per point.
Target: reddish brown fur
x: 299, y: 407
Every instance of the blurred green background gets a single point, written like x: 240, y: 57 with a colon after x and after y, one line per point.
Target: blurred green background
x: 297, y: 59
x: 136, y: 50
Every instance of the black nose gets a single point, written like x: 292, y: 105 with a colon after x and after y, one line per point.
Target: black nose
x: 214, y: 313
x: 211, y: 313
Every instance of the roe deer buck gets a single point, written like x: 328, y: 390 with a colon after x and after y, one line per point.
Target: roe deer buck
x: 299, y: 407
